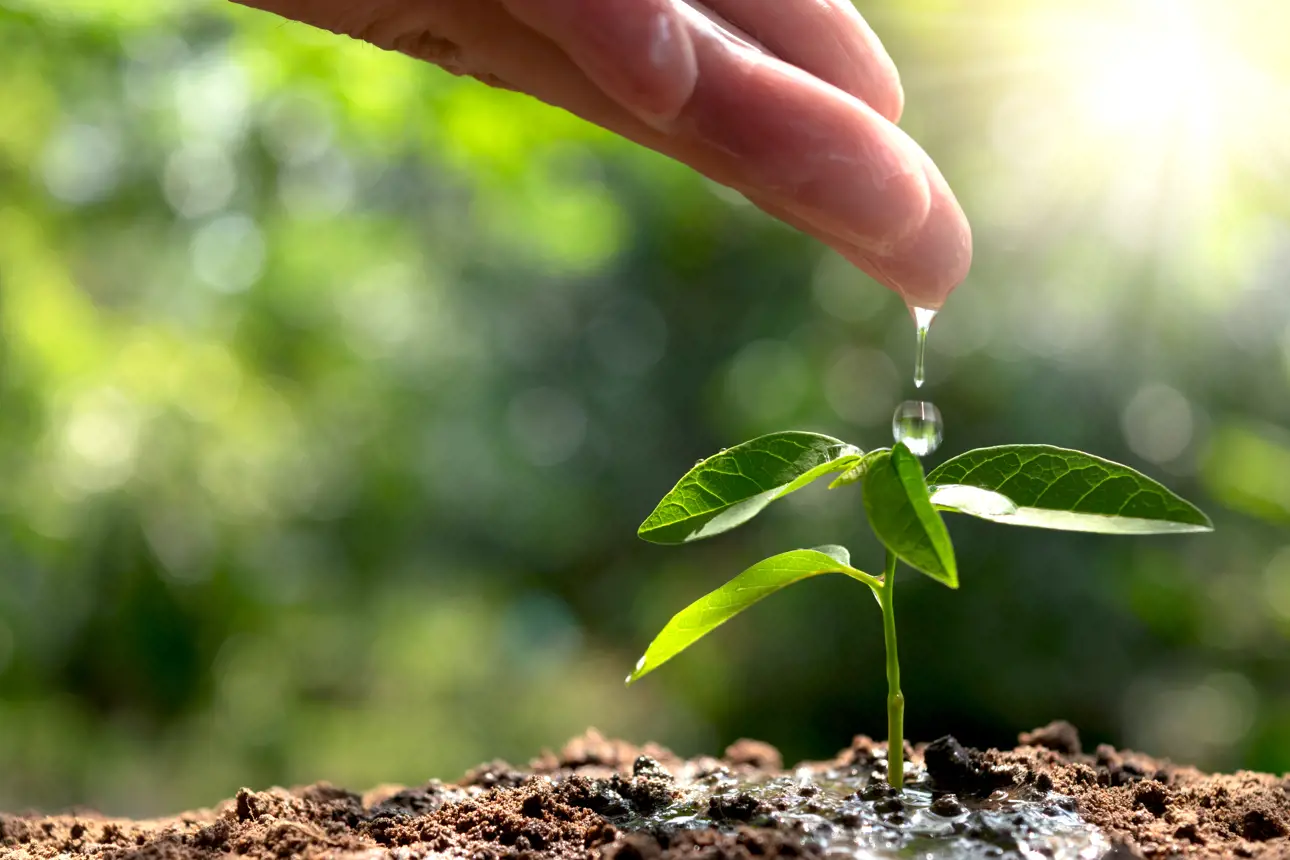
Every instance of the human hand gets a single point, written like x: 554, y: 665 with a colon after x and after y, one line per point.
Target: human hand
x: 790, y: 102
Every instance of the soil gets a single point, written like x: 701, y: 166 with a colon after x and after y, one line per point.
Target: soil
x: 600, y: 799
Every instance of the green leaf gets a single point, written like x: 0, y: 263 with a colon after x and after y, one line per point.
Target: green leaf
x: 761, y: 580
x: 902, y: 516
x: 730, y: 488
x: 1055, y: 488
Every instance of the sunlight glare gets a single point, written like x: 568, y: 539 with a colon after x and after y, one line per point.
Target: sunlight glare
x: 1156, y: 125
x: 1154, y: 68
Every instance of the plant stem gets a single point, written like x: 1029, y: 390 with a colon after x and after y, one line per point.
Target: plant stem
x: 895, y: 698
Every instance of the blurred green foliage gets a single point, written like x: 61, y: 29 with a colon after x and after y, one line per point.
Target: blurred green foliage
x: 332, y: 389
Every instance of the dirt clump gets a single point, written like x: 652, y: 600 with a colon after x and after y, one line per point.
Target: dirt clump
x: 740, y: 806
x: 1058, y: 736
x: 955, y: 768
x: 754, y: 754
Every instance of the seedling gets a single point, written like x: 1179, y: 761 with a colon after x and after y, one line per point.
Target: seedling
x: 1023, y: 485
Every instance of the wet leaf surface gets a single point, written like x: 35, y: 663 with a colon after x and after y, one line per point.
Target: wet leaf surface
x: 731, y: 487
x: 1054, y: 488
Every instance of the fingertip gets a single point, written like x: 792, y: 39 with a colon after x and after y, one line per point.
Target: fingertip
x: 879, y: 88
x: 888, y: 97
x: 829, y: 158
x: 925, y: 268
x: 878, y: 80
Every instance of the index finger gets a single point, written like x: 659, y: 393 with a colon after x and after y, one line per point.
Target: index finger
x: 814, y: 154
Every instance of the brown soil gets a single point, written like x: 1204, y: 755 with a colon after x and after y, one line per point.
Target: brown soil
x: 593, y: 799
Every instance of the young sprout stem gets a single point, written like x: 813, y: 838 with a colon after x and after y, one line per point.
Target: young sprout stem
x: 895, y: 699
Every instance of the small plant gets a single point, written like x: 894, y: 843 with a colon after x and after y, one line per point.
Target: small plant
x: 1024, y: 485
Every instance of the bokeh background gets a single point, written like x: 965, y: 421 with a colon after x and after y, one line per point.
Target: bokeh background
x: 333, y: 388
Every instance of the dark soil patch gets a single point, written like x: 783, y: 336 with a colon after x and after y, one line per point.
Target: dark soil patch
x: 608, y: 800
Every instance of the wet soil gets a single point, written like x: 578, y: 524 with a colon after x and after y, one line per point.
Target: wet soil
x: 600, y: 799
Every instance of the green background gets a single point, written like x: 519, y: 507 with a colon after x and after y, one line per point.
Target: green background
x: 333, y: 389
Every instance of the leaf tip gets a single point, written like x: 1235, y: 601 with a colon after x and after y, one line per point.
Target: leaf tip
x: 639, y: 671
x: 653, y: 534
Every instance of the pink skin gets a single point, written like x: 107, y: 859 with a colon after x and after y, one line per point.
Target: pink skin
x: 791, y: 102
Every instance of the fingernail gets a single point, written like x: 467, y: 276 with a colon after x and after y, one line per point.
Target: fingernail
x: 697, y: 15
x: 673, y: 73
x: 645, y: 62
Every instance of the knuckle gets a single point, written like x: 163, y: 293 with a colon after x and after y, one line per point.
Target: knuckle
x: 433, y: 32
x: 424, y: 45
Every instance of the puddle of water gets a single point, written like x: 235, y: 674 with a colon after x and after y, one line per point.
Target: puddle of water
x: 851, y: 814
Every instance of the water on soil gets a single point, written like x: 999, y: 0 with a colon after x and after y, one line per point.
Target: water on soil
x: 852, y: 813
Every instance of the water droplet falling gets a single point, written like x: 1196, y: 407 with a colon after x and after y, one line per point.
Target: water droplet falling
x: 918, y: 424
x: 923, y: 320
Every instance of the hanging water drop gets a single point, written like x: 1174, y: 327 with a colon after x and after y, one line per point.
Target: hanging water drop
x: 923, y: 320
x: 918, y: 424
